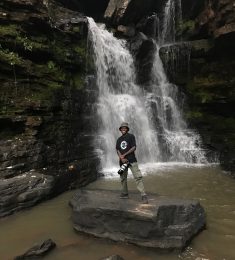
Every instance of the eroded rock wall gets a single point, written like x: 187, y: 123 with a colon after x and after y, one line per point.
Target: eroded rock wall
x: 210, y: 83
x: 46, y: 123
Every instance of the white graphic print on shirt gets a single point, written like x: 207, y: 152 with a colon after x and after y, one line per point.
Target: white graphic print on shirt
x: 123, y: 145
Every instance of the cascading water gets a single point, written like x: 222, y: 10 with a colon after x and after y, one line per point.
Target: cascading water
x: 120, y: 99
x: 172, y: 16
x: 178, y: 142
x: 181, y: 144
x: 154, y: 116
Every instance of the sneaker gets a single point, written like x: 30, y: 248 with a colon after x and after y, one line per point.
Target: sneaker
x: 145, y: 199
x: 124, y: 196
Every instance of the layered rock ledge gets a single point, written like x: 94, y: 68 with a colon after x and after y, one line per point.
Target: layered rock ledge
x: 24, y: 191
x: 164, y: 223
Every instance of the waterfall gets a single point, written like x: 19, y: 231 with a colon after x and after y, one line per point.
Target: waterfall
x: 154, y: 116
x: 120, y: 98
x: 179, y: 142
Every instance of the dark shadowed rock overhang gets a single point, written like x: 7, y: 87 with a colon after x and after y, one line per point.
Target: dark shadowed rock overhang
x: 164, y: 223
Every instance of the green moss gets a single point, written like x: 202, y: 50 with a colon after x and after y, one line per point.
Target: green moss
x: 81, y: 51
x: 39, y: 39
x: 46, y: 93
x: 77, y: 81
x: 10, y: 57
x: 28, y: 44
x: 55, y: 85
x: 51, y: 70
x: 60, y: 53
x: 185, y: 26
x: 51, y: 65
x: 194, y: 115
x: 76, y: 29
x: 56, y: 71
x: 207, y: 89
x: 9, y: 30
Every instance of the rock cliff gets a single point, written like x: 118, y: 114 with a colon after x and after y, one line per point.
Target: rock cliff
x: 45, y: 119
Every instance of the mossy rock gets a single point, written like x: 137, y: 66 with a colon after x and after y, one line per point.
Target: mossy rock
x: 78, y: 81
x: 10, y: 57
x: 12, y: 30
x: 51, y: 70
x: 185, y: 28
x: 30, y: 45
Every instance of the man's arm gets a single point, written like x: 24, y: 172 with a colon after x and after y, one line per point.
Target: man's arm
x: 121, y: 157
x: 133, y: 146
x: 129, y: 151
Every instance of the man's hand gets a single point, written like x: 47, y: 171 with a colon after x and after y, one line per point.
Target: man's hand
x: 124, y: 160
x: 122, y: 156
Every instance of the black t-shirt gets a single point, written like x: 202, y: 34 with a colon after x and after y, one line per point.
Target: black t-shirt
x: 124, y: 144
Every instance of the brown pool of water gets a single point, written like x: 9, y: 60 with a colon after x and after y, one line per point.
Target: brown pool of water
x: 52, y: 219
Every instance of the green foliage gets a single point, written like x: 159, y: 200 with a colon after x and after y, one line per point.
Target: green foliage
x: 54, y: 85
x: 56, y: 72
x: 10, y: 57
x: 9, y: 30
x: 28, y: 45
x: 194, y: 115
x: 185, y: 27
x: 76, y: 29
x: 80, y: 50
x: 51, y: 65
x: 208, y: 88
x: 77, y: 81
x: 45, y: 94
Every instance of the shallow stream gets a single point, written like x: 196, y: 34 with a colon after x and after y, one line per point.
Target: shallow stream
x: 51, y: 219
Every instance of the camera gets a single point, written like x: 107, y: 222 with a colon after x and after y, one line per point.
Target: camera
x: 123, y: 168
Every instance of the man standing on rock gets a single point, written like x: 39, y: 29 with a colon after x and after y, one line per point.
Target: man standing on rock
x: 126, y: 147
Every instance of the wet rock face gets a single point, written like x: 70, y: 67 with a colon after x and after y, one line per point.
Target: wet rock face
x: 143, y: 49
x: 92, y: 8
x: 24, y: 191
x: 127, y: 12
x: 46, y: 96
x: 163, y: 223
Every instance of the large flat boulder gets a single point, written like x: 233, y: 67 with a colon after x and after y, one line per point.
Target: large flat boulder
x: 164, y: 223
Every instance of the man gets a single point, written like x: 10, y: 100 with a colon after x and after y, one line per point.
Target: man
x: 126, y: 147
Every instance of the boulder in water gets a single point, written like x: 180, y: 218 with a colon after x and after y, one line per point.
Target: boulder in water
x: 164, y: 223
x: 24, y: 191
x: 37, y: 250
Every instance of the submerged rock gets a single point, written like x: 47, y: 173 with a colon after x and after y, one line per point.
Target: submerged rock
x: 38, y: 250
x: 164, y: 223
x: 113, y: 257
